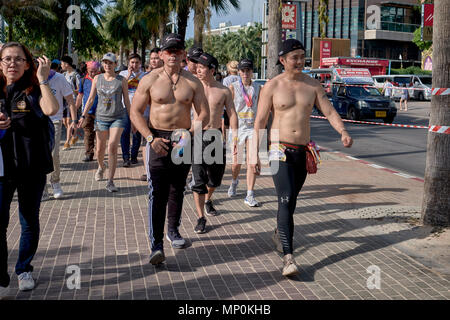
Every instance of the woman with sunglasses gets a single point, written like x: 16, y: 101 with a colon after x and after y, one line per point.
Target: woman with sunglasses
x: 25, y: 101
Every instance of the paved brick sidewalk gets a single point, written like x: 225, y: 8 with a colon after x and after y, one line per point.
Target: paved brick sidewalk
x: 105, y: 235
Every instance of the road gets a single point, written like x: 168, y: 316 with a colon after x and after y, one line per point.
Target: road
x: 401, y: 149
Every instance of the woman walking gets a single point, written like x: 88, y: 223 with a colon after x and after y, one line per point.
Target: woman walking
x: 110, y: 116
x: 25, y: 102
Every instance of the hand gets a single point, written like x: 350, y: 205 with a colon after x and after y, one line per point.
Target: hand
x: 130, y: 71
x: 256, y: 168
x: 82, y: 123
x: 160, y: 146
x: 5, y: 122
x: 43, y: 69
x: 133, y: 129
x: 347, y: 141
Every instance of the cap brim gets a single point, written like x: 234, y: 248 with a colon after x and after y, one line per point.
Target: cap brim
x: 173, y: 46
x: 194, y: 59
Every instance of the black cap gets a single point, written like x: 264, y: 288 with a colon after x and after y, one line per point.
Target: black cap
x: 194, y: 53
x: 67, y: 59
x: 245, y: 64
x: 208, y: 60
x: 172, y: 40
x: 288, y: 46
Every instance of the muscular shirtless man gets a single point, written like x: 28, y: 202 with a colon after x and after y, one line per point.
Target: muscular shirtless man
x: 291, y: 96
x: 170, y: 92
x: 207, y: 177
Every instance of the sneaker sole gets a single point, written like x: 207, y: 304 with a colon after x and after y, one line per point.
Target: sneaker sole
x: 200, y: 231
x: 175, y: 246
x: 212, y: 214
x: 158, y: 258
x: 291, y: 271
x: 253, y: 206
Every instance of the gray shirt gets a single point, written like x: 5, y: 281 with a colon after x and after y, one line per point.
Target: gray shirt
x: 110, y: 106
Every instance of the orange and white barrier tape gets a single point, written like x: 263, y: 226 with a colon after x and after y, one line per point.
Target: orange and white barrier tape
x: 435, y: 129
x: 439, y: 129
x: 440, y: 91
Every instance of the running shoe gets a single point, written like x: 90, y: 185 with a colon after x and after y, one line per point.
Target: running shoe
x: 66, y: 146
x: 99, y: 174
x: 251, y: 201
x: 201, y: 225
x: 209, y: 208
x: 26, y: 281
x: 111, y: 187
x: 157, y: 255
x: 126, y: 163
x: 4, y: 292
x: 57, y: 191
x: 289, y: 266
x: 232, y: 189
x: 175, y: 239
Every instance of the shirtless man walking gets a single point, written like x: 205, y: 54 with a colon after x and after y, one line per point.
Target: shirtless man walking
x: 207, y: 177
x: 171, y: 92
x: 290, y: 97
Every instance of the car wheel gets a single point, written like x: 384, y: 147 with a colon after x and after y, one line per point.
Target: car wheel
x: 388, y: 120
x: 352, y: 114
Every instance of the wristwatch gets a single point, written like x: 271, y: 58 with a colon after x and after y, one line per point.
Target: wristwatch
x: 149, y: 138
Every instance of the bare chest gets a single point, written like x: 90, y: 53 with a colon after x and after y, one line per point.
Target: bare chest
x: 294, y: 96
x: 162, y: 92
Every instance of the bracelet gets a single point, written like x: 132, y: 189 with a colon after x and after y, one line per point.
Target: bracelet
x: 44, y: 82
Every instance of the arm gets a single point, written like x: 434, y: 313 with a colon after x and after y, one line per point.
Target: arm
x: 72, y: 108
x: 48, y: 102
x: 232, y: 115
x: 201, y: 106
x: 89, y: 102
x: 126, y: 97
x: 265, y: 105
x: 332, y: 116
x: 79, y: 101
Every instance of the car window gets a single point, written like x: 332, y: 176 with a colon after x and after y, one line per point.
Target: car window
x: 380, y: 79
x: 402, y: 80
x: 426, y: 80
x: 341, y: 91
x: 363, y: 92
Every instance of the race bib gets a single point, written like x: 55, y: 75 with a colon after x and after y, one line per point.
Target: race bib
x: 276, y: 152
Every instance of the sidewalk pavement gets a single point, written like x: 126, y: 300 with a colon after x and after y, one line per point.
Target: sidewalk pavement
x: 350, y: 224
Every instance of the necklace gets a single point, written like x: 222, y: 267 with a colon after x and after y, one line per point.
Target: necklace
x: 174, y: 85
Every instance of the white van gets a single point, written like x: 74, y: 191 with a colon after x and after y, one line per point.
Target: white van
x: 419, y: 90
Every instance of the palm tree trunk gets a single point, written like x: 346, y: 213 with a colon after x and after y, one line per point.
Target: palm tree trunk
x: 162, y: 27
x: 135, y: 45
x: 182, y: 18
x: 144, y: 44
x: 436, y: 200
x: 10, y: 21
x: 199, y: 22
x: 121, y: 54
x: 153, y: 41
x: 274, y: 41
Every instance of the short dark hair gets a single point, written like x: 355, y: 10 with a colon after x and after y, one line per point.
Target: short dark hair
x: 54, y: 66
x: 67, y: 59
x: 134, y: 56
x: 155, y: 50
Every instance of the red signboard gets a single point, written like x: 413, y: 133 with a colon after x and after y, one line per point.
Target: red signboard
x: 428, y: 12
x: 325, y: 50
x: 289, y: 16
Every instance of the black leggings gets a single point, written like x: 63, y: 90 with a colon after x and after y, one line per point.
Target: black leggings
x: 288, y: 177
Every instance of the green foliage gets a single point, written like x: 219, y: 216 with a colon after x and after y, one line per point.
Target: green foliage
x: 422, y: 45
x: 246, y: 43
x: 411, y: 70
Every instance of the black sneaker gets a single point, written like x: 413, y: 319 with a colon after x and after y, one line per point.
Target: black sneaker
x: 134, y: 161
x: 201, y: 225
x: 157, y: 255
x: 126, y: 163
x: 88, y: 158
x: 175, y: 239
x: 210, y: 211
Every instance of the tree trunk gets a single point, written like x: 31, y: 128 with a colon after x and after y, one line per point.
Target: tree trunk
x: 199, y: 22
x: 162, y: 27
x: 62, y: 38
x: 153, y: 41
x: 121, y: 54
x: 144, y: 44
x: 436, y: 200
x: 10, y: 22
x: 135, y: 45
x: 182, y: 18
x: 274, y: 41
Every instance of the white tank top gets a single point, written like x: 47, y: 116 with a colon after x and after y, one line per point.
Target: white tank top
x: 246, y: 115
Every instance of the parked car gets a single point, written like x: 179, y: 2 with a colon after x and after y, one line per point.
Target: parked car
x: 362, y: 102
x: 419, y: 86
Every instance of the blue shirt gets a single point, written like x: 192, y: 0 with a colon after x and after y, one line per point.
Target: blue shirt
x: 85, y: 89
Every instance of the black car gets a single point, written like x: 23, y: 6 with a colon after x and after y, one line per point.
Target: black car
x: 357, y: 102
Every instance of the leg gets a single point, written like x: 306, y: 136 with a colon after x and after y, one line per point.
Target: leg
x: 7, y: 189
x: 135, y: 146
x: 176, y: 195
x: 251, y: 177
x: 125, y: 140
x: 102, y: 136
x: 29, y: 195
x: 114, y: 137
x: 200, y: 178
x: 55, y: 175
x: 89, y: 136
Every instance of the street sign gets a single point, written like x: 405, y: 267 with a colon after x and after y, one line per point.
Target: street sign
x: 427, y: 21
x: 289, y: 17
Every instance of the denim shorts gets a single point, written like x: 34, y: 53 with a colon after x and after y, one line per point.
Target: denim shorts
x: 106, y: 125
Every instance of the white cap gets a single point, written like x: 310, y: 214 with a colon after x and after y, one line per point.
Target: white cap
x: 110, y: 57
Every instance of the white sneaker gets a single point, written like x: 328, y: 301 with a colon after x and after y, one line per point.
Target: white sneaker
x: 99, y: 174
x: 232, y: 188
x: 57, y: 191
x: 4, y: 292
x: 251, y: 201
x: 26, y: 281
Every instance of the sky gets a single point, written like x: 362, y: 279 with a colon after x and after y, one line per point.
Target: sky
x: 250, y: 11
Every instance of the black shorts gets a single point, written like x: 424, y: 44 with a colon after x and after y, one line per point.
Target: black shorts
x: 210, y: 175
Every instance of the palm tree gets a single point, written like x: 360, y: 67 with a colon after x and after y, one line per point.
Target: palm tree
x: 9, y: 9
x: 274, y: 41
x: 436, y: 200
x: 202, y: 15
x: 116, y: 25
x: 323, y: 17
